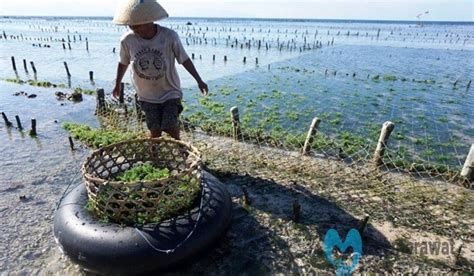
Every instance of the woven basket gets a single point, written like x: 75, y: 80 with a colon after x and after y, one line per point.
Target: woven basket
x: 142, y: 201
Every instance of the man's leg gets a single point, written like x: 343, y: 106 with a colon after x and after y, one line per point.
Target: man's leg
x: 173, y: 132
x: 153, y: 115
x: 169, y: 123
x: 155, y: 133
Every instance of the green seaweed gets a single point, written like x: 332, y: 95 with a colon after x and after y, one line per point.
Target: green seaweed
x: 98, y: 137
x: 84, y: 91
x: 144, y: 171
x: 389, y: 78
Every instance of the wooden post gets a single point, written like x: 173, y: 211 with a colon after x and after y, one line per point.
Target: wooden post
x: 5, y: 118
x: 33, y: 127
x: 311, y: 133
x: 25, y: 66
x: 33, y: 66
x: 67, y: 70
x: 71, y: 143
x: 387, y: 129
x: 122, y: 88
x: 91, y: 75
x: 138, y: 108
x: 13, y: 63
x: 247, y: 200
x: 87, y: 45
x: 100, y: 107
x: 296, y: 211
x: 467, y: 169
x: 18, y: 122
x: 363, y: 225
x: 234, y: 112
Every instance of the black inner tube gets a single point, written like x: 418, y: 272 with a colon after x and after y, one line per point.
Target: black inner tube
x: 124, y: 250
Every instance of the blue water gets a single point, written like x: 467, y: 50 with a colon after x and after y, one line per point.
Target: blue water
x: 426, y: 58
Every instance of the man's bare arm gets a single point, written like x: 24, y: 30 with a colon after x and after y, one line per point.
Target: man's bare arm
x: 189, y: 66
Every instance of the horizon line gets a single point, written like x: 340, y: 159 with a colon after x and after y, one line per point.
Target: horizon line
x: 255, y: 18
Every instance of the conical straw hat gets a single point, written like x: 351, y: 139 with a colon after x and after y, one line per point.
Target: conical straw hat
x: 136, y: 12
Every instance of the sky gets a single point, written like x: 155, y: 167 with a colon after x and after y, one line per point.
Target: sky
x: 438, y: 10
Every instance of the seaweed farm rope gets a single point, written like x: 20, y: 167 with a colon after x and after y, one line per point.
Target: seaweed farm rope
x: 169, y: 251
x: 67, y: 188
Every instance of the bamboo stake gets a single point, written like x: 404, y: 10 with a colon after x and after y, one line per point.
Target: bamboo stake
x: 311, y: 133
x: 5, y: 118
x: 138, y: 108
x: 13, y: 63
x: 296, y: 211
x: 33, y: 127
x: 387, y: 129
x: 234, y: 111
x: 33, y: 67
x: 67, y: 70
x: 71, y: 143
x: 100, y: 100
x: 25, y: 66
x: 467, y: 169
x: 18, y: 122
x: 122, y: 88
x: 247, y: 200
x: 363, y: 225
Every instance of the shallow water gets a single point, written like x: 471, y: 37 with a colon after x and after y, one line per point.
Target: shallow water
x: 432, y: 118
x: 40, y: 169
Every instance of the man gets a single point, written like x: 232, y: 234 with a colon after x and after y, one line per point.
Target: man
x: 151, y: 50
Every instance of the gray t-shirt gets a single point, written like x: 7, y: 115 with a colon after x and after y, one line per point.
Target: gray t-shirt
x: 153, y: 64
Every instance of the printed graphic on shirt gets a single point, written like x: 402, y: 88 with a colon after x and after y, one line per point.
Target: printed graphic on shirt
x: 149, y: 64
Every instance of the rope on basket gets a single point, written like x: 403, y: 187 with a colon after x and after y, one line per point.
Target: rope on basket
x: 169, y: 251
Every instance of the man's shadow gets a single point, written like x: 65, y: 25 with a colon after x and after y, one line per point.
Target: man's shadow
x: 253, y: 246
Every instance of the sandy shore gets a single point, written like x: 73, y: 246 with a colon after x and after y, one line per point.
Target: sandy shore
x: 262, y: 239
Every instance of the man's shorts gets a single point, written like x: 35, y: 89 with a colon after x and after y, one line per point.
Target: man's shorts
x: 162, y: 116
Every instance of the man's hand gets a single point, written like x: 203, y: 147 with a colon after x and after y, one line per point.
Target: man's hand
x: 189, y: 66
x: 116, y: 92
x: 203, y: 87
